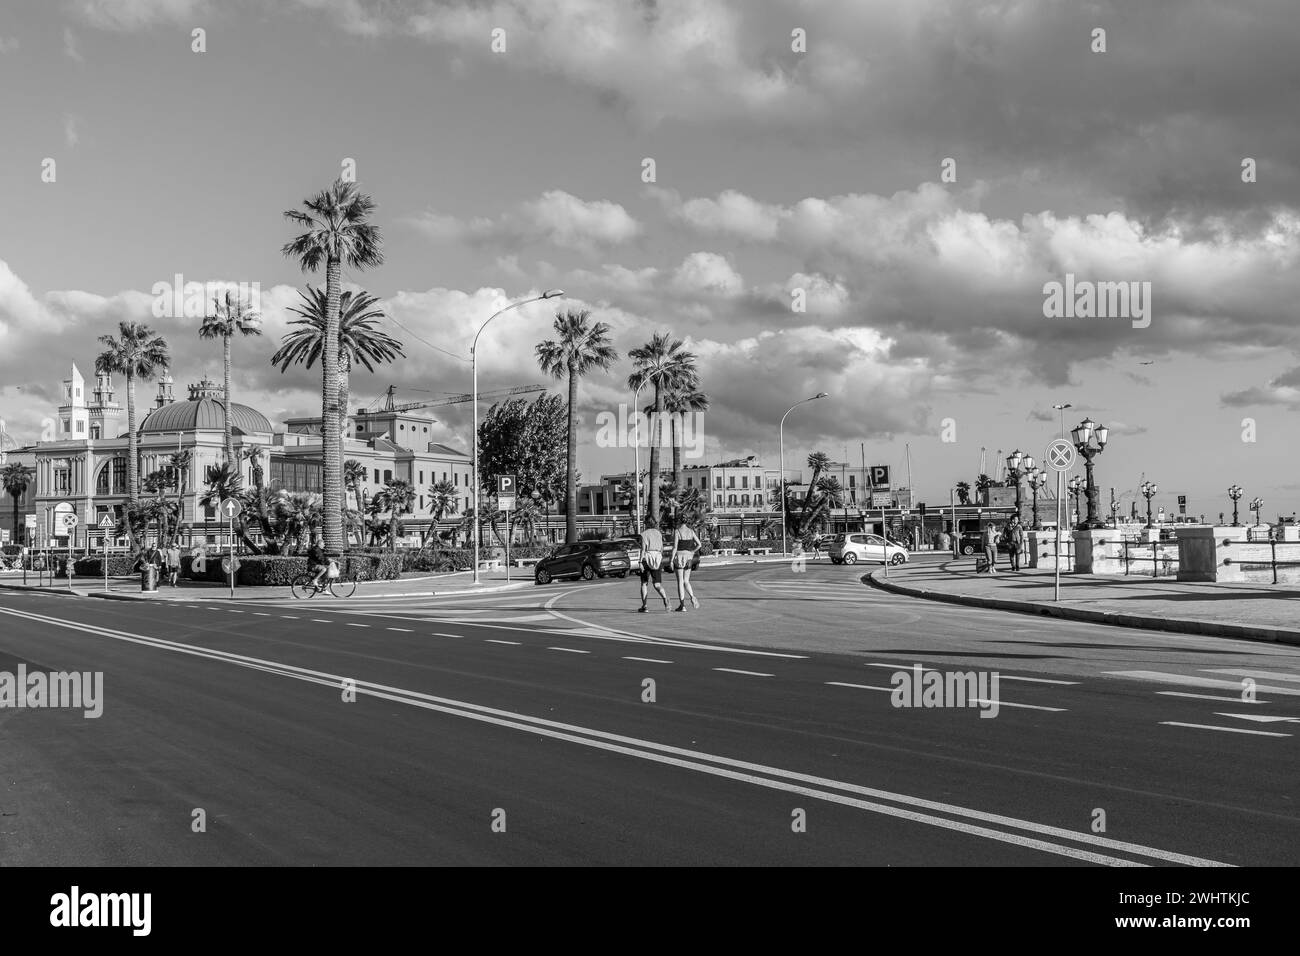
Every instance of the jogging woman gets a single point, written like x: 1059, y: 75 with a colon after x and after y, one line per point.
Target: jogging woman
x: 685, y: 543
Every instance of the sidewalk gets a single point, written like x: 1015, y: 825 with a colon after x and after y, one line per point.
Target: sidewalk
x: 1249, y: 611
x: 128, y: 589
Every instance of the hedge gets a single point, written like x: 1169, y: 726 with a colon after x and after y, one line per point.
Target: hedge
x: 119, y: 565
x: 265, y: 570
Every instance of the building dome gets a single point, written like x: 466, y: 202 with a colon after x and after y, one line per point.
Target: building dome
x: 202, y: 412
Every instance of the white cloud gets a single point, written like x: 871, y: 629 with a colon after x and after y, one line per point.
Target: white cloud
x: 70, y: 46
x: 556, y: 217
x: 709, y: 273
x: 136, y: 14
x: 70, y: 135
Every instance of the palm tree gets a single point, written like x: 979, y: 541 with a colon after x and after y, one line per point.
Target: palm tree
x: 231, y: 316
x: 396, y: 498
x: 681, y: 400
x: 179, y: 462
x: 304, y: 516
x: 526, y: 515
x: 337, y: 233
x: 354, y: 476
x: 15, y: 478
x: 442, y: 502
x: 818, y: 462
x: 136, y: 352
x: 983, y: 483
x: 360, y: 341
x: 579, y: 347
x: 963, y: 492
x: 658, y: 362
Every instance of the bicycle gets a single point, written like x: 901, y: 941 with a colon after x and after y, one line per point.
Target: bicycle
x: 304, y: 585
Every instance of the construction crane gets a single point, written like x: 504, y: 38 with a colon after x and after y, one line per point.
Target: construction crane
x: 390, y: 406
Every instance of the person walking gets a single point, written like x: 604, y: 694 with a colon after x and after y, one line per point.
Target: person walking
x: 650, y: 567
x: 1024, y: 542
x: 685, y: 543
x: 991, y: 549
x: 1011, y: 538
x: 173, y: 564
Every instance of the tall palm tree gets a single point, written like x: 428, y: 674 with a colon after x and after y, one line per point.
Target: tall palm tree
x: 136, y: 352
x: 361, y: 342
x: 818, y: 461
x: 658, y: 362
x: 579, y: 347
x: 337, y: 233
x: 354, y: 476
x: 683, y: 399
x: 15, y: 478
x: 526, y: 515
x: 396, y: 498
x: 179, y: 462
x: 231, y: 316
x: 963, y: 492
x: 443, y: 496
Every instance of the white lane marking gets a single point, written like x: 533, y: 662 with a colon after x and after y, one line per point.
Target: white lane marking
x: 289, y: 617
x: 404, y: 630
x: 1007, y: 703
x: 233, y: 611
x: 648, y: 660
x: 491, y: 641
x: 350, y: 624
x: 1230, y: 700
x: 838, y: 683
x: 1201, y: 681
x: 1242, y: 672
x: 1001, y: 676
x: 441, y: 634
x: 568, y: 650
x: 657, y: 752
x: 1263, y: 718
x: 731, y: 670
x: 213, y: 609
x: 321, y: 620
x: 1230, y: 730
x: 260, y: 614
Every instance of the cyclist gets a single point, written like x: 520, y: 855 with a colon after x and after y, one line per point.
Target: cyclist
x: 319, y: 564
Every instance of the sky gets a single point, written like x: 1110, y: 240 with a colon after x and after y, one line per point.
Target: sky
x: 916, y: 173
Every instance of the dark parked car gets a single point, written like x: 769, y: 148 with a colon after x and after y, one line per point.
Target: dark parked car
x: 586, y: 559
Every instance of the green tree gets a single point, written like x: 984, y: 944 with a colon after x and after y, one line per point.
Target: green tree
x: 337, y: 233
x: 361, y: 342
x: 15, y: 479
x: 231, y: 316
x: 443, y: 497
x: 963, y: 492
x: 354, y: 477
x: 580, y: 346
x: 396, y: 497
x: 527, y: 440
x: 135, y: 352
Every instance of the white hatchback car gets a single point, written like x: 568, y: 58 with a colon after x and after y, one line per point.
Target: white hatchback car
x: 852, y: 548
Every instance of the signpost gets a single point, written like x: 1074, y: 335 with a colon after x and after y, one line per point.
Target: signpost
x: 231, y: 508
x: 506, y: 502
x: 1060, y: 458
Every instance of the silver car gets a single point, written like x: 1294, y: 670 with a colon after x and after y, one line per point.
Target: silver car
x: 859, y: 546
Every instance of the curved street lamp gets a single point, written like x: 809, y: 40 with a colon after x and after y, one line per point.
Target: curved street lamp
x: 473, y: 354
x: 1075, y: 485
x: 1255, y: 505
x: 1019, y: 465
x: 1149, y: 489
x: 781, y: 471
x: 1089, y: 440
x: 1036, y: 481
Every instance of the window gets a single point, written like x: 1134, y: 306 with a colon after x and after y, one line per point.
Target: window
x: 376, y: 476
x: 444, y: 476
x: 717, y: 483
x: 78, y: 393
x: 731, y: 481
x: 718, y: 500
x: 94, y: 431
x: 744, y: 499
x: 81, y: 427
x: 853, y: 481
x: 422, y: 499
x: 731, y: 501
x: 744, y: 481
x: 426, y: 429
x: 388, y: 475
x: 402, y: 427
x: 421, y: 482
x: 65, y: 425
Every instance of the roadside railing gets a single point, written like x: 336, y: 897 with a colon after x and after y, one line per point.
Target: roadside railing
x: 1291, y: 558
x: 1161, y: 556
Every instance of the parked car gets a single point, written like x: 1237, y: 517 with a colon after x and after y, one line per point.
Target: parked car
x: 633, y: 548
x: 632, y: 545
x: 852, y: 548
x: 586, y: 559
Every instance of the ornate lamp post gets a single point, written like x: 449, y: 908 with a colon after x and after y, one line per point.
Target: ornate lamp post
x: 1149, y: 489
x: 1036, y: 480
x: 1235, y: 493
x: 1089, y: 439
x: 1075, y: 485
x: 1255, y: 505
x: 1018, y: 465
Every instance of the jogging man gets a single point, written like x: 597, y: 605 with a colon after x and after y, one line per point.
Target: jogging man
x: 652, y: 562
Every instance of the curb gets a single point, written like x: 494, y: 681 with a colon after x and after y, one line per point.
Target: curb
x: 41, y: 589
x: 140, y: 596
x: 1245, y: 632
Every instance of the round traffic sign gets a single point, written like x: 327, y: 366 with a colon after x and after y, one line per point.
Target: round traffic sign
x: 226, y: 562
x: 70, y: 520
x: 231, y: 507
x: 1060, y: 455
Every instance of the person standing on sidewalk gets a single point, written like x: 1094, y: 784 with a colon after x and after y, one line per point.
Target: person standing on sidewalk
x: 1011, y: 537
x: 685, y: 543
x: 1024, y: 542
x: 991, y: 549
x: 650, y: 568
x: 173, y: 564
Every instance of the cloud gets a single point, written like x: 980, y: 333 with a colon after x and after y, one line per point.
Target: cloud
x: 556, y: 217
x: 1282, y: 390
x: 70, y: 135
x: 70, y: 46
x: 8, y: 44
x: 707, y: 273
x: 126, y: 15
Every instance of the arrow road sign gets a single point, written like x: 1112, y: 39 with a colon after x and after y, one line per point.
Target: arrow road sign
x: 231, y: 507
x: 1060, y: 455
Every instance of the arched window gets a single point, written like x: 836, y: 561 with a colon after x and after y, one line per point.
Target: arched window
x: 112, y: 478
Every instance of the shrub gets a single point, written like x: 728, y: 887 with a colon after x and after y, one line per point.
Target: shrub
x: 119, y: 565
x: 278, y: 570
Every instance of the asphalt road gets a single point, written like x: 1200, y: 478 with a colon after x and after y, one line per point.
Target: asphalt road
x: 529, y: 712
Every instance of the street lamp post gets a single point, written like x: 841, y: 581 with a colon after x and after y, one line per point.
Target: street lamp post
x: 473, y: 354
x: 1255, y: 505
x: 1036, y: 480
x: 1149, y: 489
x: 1018, y: 466
x: 781, y: 470
x: 1075, y: 484
x: 1089, y: 440
x: 1235, y: 493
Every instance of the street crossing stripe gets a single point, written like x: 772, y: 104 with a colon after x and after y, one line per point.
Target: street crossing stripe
x: 1230, y: 730
x: 820, y: 788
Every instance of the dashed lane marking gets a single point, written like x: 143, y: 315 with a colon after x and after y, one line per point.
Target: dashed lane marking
x: 1206, y: 682
x: 839, y: 683
x: 441, y: 634
x: 732, y: 670
x: 404, y: 630
x: 1230, y: 700
x: 648, y: 660
x: 1242, y: 672
x: 568, y: 650
x: 494, y: 641
x: 1228, y: 730
x: 350, y: 624
x: 1001, y: 676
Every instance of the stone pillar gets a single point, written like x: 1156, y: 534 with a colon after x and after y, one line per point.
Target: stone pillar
x: 1042, y: 550
x: 1098, y: 551
x: 1197, y: 553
